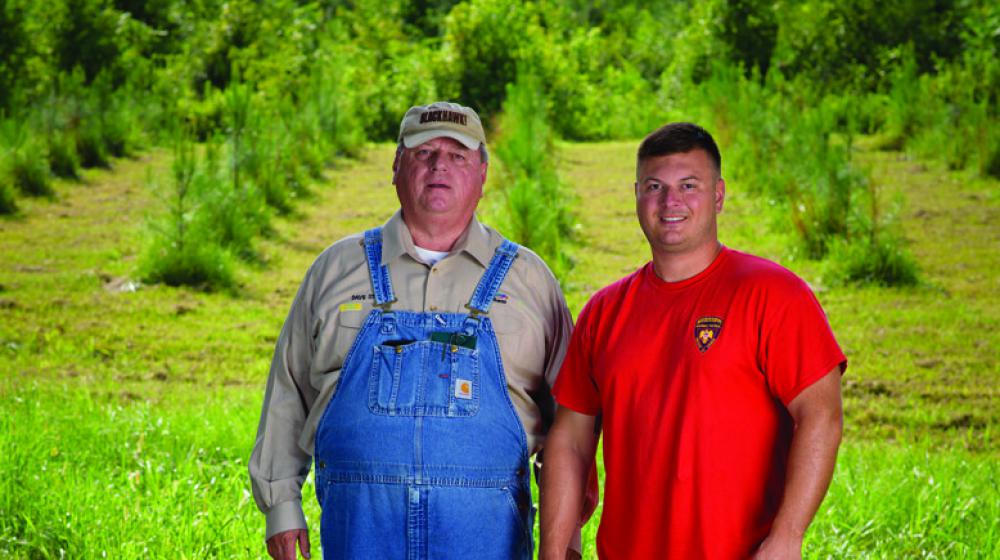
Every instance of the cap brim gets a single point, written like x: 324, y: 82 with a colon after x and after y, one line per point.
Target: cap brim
x: 414, y: 140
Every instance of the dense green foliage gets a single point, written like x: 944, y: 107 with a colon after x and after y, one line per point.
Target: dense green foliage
x: 284, y: 86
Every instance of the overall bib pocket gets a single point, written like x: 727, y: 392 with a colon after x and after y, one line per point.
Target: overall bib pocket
x: 424, y: 378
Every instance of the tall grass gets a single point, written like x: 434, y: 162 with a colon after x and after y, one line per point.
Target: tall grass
x: 536, y: 209
x: 908, y: 502
x: 102, y: 472
x: 94, y: 476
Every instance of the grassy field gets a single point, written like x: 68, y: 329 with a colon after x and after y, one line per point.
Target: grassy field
x: 127, y: 412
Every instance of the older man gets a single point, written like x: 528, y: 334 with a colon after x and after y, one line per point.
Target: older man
x: 414, y: 369
x: 717, y: 380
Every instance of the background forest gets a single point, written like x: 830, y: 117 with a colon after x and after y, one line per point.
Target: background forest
x: 168, y: 169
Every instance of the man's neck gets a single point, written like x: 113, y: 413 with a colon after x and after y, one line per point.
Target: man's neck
x: 675, y: 267
x: 436, y: 235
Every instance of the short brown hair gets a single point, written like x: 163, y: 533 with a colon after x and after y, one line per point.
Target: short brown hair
x: 676, y: 138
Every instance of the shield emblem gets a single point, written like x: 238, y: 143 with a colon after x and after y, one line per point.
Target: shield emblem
x: 707, y: 331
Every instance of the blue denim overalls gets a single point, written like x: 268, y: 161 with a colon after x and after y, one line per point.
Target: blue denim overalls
x: 420, y: 453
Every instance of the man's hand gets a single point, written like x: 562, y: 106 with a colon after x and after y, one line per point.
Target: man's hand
x: 282, y: 545
x: 775, y: 547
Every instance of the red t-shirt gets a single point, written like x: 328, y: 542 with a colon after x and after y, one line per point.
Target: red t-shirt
x: 692, y: 379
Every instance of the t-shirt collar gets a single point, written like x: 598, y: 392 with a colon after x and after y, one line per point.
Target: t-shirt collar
x: 650, y: 272
x: 397, y: 241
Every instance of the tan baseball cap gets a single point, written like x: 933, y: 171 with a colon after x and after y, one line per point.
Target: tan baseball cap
x: 426, y: 122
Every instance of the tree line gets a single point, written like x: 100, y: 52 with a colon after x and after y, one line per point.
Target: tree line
x: 256, y: 98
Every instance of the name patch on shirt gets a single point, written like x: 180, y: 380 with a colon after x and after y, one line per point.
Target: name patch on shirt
x: 351, y: 306
x: 707, y: 331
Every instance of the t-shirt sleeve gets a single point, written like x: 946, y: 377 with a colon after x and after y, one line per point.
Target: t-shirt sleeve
x: 797, y: 346
x: 576, y: 387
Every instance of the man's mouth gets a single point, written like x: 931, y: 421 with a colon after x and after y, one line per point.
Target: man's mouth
x: 437, y: 186
x: 673, y: 219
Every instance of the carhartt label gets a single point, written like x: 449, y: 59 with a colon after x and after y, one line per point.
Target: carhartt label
x: 352, y: 306
x: 463, y: 389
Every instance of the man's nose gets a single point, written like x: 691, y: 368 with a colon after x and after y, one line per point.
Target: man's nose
x: 437, y: 162
x: 670, y: 197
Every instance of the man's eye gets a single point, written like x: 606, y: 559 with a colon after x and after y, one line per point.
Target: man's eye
x: 653, y: 186
x: 689, y: 186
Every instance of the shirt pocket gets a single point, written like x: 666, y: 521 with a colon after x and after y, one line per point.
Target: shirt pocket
x: 522, y: 345
x: 334, y: 340
x: 424, y: 378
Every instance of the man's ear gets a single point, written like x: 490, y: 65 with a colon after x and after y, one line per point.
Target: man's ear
x: 395, y: 163
x: 720, y: 194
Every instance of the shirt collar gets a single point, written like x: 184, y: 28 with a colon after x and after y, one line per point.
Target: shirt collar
x: 397, y: 241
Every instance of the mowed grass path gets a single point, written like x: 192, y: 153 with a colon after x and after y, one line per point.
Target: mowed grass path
x: 126, y: 417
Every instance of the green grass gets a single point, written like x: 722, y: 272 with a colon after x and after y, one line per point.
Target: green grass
x: 127, y: 417
x: 889, y: 501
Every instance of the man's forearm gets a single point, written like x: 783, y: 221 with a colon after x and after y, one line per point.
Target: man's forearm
x: 561, y: 495
x: 568, y: 456
x: 811, y: 460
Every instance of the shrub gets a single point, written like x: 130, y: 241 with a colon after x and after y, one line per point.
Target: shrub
x: 180, y: 247
x: 231, y: 217
x: 57, y: 117
x: 989, y: 152
x: 25, y: 165
x: 871, y: 251
x: 621, y: 105
x: 902, y: 114
x: 536, y: 210
x: 8, y: 204
x: 90, y: 143
x: 485, y: 40
x: 206, y: 267
x: 820, y: 197
x: 63, y: 160
x: 332, y: 105
x: 878, y: 260
x: 266, y: 163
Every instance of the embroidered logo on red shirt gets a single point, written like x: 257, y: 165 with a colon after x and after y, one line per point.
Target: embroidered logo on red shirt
x: 706, y: 332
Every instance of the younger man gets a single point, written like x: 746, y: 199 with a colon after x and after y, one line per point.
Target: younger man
x: 716, y: 379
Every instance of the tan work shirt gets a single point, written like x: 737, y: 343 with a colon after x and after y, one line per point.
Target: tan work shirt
x: 532, y: 325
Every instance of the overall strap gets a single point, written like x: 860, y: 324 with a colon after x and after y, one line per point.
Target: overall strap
x: 379, y: 273
x: 500, y: 264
